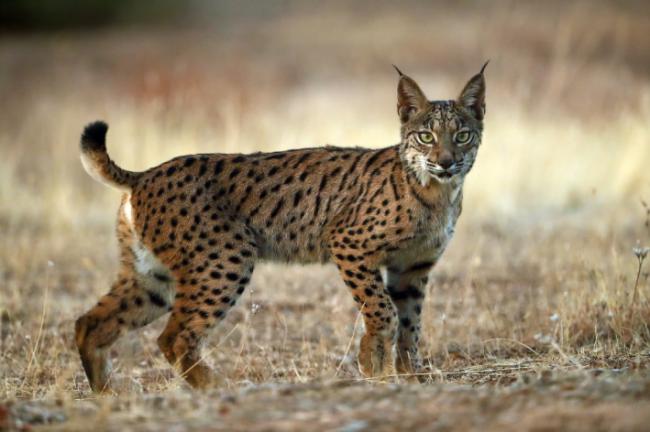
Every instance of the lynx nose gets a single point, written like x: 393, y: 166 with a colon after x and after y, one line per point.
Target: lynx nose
x: 445, y: 161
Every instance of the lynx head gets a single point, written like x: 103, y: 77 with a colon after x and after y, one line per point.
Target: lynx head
x: 440, y: 139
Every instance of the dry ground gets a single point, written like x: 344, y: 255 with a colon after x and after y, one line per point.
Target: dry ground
x: 531, y: 320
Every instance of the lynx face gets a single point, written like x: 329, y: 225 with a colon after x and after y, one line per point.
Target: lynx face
x: 440, y: 139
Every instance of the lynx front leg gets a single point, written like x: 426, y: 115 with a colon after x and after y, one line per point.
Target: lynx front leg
x: 376, y: 349
x: 406, y: 288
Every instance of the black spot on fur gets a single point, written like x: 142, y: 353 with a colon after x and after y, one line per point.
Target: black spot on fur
x: 156, y: 299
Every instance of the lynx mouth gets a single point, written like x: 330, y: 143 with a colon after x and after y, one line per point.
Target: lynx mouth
x: 441, y: 174
x: 443, y: 177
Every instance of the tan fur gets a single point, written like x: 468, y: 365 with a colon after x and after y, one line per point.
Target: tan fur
x: 190, y: 231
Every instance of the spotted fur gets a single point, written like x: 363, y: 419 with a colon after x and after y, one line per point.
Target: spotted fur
x: 190, y: 231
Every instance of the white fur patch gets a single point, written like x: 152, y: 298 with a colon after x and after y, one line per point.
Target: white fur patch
x: 457, y: 187
x: 91, y: 168
x: 128, y: 211
x: 146, y: 262
x: 422, y: 174
x: 154, y: 276
x: 153, y: 273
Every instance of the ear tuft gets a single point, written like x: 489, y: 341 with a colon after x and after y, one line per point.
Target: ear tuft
x: 410, y: 99
x: 473, y: 95
x: 484, y: 66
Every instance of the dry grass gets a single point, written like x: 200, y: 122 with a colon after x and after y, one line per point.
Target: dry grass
x: 530, y: 322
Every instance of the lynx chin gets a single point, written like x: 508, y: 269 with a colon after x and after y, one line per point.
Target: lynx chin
x: 191, y: 230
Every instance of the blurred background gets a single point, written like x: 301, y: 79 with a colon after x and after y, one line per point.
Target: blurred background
x: 542, y: 257
x: 568, y: 92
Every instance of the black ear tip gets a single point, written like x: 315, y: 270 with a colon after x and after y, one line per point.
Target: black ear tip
x: 484, y: 66
x: 398, y: 71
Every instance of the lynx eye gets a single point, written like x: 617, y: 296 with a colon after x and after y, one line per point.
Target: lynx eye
x: 425, y: 137
x: 462, y: 137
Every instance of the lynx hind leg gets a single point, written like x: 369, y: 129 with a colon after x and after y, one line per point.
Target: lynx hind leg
x: 209, y: 284
x: 142, y: 293
x: 128, y: 306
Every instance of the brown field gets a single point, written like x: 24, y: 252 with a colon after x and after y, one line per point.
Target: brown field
x: 536, y: 319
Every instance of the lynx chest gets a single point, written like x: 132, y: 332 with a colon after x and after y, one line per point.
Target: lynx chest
x: 433, y: 230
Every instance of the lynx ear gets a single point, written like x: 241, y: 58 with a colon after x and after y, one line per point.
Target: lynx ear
x: 473, y: 95
x: 410, y: 99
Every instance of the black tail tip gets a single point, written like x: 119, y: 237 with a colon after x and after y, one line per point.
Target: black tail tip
x: 94, y: 136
